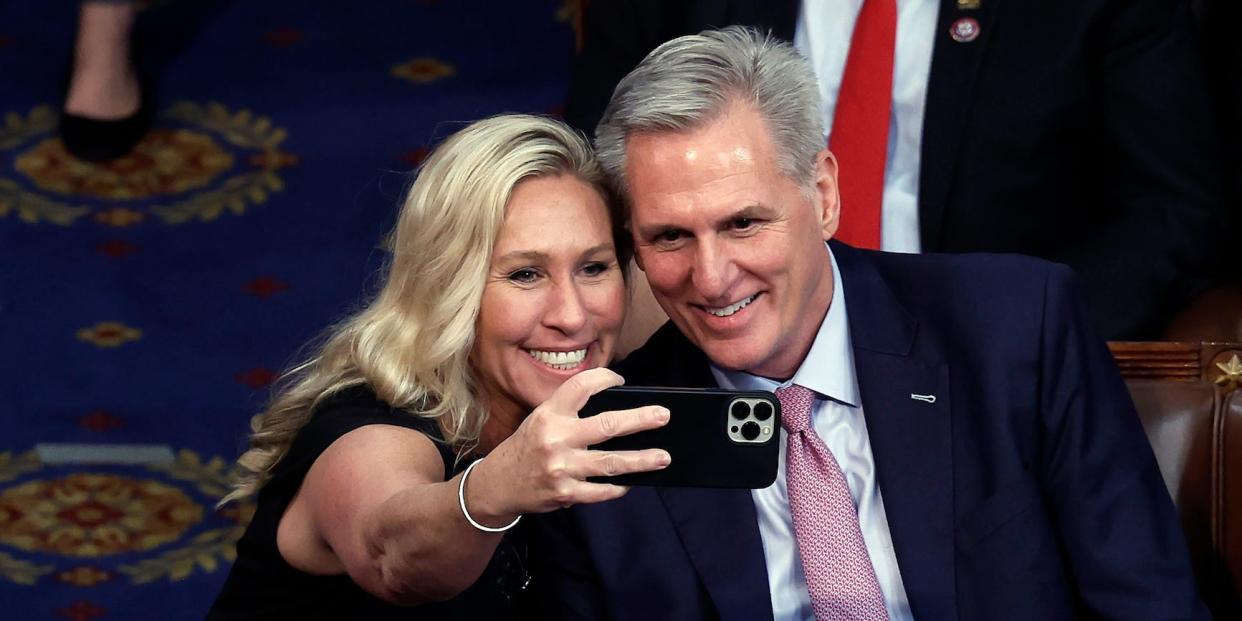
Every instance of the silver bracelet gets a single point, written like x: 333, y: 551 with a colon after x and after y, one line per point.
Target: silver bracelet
x: 461, y: 500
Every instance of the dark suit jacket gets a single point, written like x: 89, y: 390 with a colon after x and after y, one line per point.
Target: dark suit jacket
x: 1078, y: 131
x: 1026, y: 491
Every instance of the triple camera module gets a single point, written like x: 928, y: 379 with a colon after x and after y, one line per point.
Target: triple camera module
x: 751, y: 421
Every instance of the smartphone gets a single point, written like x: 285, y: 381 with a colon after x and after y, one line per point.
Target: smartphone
x: 717, y: 438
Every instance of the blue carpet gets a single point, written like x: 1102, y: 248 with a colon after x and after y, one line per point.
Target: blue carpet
x: 150, y: 301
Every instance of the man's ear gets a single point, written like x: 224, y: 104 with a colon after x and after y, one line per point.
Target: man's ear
x: 827, y: 195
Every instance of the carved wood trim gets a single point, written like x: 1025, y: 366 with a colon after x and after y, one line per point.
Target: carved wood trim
x: 1217, y: 362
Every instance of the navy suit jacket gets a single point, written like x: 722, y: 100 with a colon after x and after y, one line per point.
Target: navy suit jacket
x: 1079, y: 131
x: 1028, y: 490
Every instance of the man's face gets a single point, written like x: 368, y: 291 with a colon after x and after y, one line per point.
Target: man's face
x: 733, y: 249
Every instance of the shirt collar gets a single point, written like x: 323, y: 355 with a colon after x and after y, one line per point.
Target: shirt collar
x: 828, y: 368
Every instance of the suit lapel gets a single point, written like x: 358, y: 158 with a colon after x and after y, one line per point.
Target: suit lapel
x: 906, y: 402
x: 720, y: 532
x: 912, y: 446
x: 666, y: 359
x: 950, y: 96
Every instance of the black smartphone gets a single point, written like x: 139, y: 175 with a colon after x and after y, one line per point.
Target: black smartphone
x: 717, y: 438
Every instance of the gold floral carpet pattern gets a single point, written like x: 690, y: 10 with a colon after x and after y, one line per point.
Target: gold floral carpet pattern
x: 203, y: 161
x: 85, y: 519
x: 151, y: 302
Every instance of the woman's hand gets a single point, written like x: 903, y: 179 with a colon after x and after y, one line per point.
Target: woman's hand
x: 545, y: 463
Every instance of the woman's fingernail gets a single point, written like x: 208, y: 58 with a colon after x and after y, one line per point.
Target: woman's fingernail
x: 664, y: 459
x: 662, y: 415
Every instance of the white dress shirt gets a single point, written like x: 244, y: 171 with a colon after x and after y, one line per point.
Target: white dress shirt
x: 823, y: 36
x: 837, y: 417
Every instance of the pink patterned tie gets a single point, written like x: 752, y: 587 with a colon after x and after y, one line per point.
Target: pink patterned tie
x: 838, y: 569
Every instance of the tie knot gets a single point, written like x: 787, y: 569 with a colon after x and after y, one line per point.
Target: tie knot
x: 795, y: 407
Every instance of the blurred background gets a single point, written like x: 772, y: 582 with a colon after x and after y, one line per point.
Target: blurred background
x: 146, y: 304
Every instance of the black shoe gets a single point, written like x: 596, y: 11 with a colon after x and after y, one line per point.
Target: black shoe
x: 99, y: 141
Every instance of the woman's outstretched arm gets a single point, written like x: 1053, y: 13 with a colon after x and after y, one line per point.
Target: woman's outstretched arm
x: 375, y: 504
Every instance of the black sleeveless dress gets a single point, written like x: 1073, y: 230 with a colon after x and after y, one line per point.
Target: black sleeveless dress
x: 261, y: 585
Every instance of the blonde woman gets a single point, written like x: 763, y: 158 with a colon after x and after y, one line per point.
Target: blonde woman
x: 502, y: 303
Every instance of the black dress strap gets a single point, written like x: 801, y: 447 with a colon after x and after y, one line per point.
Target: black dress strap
x: 262, y: 585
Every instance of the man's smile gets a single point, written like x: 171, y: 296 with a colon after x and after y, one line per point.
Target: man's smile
x: 726, y: 311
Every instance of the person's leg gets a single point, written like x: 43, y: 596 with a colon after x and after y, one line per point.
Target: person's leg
x: 104, y: 84
x: 104, y: 114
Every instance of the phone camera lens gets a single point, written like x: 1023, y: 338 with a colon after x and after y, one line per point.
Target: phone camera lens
x: 750, y: 430
x: 739, y: 410
x: 763, y: 410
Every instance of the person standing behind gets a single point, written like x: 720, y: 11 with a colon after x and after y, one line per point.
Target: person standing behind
x: 1079, y: 131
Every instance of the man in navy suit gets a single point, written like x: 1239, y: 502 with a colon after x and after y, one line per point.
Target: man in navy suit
x: 1078, y: 131
x: 983, y: 459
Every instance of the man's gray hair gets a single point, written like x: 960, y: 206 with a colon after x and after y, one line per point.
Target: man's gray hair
x: 690, y: 80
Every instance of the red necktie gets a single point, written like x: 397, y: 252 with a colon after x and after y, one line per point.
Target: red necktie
x: 839, y: 574
x: 859, y: 136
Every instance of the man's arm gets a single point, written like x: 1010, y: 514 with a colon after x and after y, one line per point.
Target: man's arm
x: 1116, y: 522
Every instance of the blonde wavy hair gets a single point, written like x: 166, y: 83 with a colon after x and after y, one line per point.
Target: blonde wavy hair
x: 411, y: 345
